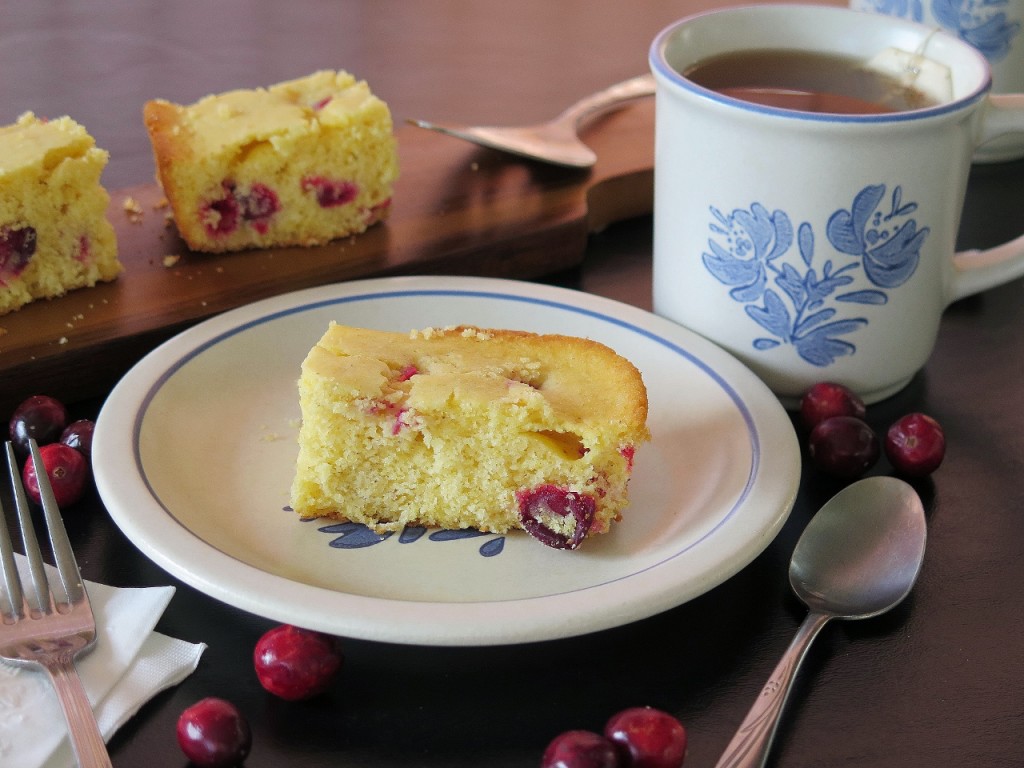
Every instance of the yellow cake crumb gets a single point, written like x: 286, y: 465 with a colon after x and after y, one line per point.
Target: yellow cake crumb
x: 132, y: 208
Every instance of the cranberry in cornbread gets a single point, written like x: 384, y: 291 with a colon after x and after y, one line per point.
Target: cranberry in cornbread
x: 54, y: 232
x: 468, y: 428
x: 299, y: 163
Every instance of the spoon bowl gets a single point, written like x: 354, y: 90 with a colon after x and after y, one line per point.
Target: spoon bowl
x: 861, y: 554
x: 858, y: 557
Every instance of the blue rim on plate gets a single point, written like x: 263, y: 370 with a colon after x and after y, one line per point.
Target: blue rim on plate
x: 195, y: 447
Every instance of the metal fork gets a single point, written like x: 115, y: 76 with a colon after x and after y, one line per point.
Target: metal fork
x: 41, y: 629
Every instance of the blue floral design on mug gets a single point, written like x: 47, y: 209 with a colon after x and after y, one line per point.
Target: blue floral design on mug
x: 800, y: 299
x: 981, y: 23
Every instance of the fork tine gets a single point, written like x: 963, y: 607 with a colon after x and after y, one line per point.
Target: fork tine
x: 11, y: 598
x: 63, y: 555
x: 39, y: 596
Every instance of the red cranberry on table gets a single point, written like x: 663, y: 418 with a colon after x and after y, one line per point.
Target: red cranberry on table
x: 580, y: 749
x: 213, y: 734
x: 40, y: 418
x: 915, y: 445
x: 67, y: 470
x: 826, y: 399
x: 647, y: 738
x: 296, y: 663
x: 78, y: 435
x: 844, y: 447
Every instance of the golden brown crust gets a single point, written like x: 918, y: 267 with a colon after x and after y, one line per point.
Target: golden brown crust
x: 163, y: 124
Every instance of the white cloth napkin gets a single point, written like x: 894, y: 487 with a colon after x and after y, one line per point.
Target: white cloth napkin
x: 129, y: 665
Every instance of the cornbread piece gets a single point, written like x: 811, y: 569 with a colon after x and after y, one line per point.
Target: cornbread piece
x: 299, y: 163
x: 54, y: 232
x: 468, y: 428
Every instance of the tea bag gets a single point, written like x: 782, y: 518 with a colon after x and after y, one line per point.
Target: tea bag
x: 915, y: 72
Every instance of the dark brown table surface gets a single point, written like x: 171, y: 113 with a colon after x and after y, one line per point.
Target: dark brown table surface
x: 939, y: 681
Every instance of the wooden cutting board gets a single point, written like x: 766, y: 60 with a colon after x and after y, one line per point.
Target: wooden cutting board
x: 457, y: 209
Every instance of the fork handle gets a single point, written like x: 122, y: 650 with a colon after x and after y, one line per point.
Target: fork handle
x: 86, y: 739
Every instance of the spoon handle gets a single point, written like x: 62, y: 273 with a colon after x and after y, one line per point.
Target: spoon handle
x: 611, y: 97
x: 750, y: 746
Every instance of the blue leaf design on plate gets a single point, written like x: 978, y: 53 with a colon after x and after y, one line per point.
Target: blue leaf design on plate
x: 353, y: 535
x: 358, y: 536
x: 493, y: 547
x: 411, y: 534
x: 454, y: 535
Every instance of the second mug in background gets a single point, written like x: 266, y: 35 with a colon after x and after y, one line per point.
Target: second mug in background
x: 994, y: 27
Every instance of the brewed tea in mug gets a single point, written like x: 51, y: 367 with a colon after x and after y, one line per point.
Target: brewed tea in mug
x: 807, y: 81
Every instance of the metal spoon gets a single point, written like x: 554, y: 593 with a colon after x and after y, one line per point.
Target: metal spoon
x: 555, y: 141
x: 858, y: 557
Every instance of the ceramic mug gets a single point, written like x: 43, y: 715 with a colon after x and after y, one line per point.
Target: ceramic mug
x: 994, y: 27
x: 819, y: 246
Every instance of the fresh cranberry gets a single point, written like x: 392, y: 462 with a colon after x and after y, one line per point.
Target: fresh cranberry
x: 213, y: 734
x: 826, y: 399
x: 555, y: 516
x: 220, y: 217
x: 296, y: 663
x: 580, y: 749
x: 843, y: 446
x: 40, y: 418
x: 67, y: 470
x: 17, y: 247
x: 915, y: 445
x: 78, y: 435
x: 258, y: 205
x: 330, y: 193
x: 647, y: 737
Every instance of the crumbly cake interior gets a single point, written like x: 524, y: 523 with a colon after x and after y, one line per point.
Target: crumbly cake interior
x: 466, y: 427
x: 54, y: 231
x: 299, y: 163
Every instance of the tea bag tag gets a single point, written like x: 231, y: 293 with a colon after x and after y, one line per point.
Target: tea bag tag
x: 912, y: 69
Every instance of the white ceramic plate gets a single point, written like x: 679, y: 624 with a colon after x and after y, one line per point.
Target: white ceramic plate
x: 195, y: 448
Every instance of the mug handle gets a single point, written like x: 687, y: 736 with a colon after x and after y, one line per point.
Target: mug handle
x: 978, y: 270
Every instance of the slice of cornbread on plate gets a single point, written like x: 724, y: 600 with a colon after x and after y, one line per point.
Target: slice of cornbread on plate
x: 54, y: 232
x: 299, y: 163
x: 466, y: 427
